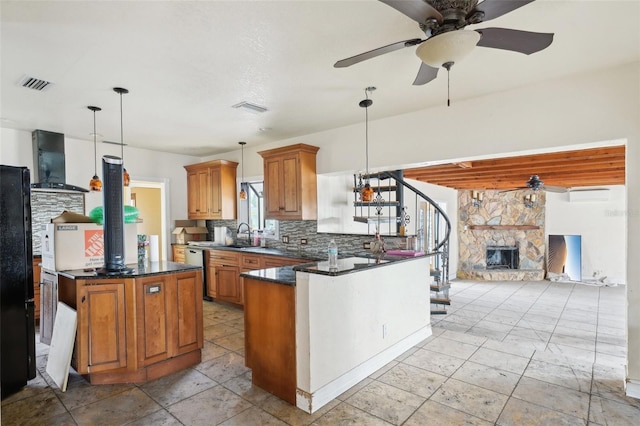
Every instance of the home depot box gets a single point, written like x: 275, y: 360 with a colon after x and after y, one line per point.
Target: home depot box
x: 81, y: 245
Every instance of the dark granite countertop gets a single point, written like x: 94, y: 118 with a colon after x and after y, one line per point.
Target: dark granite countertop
x: 282, y: 275
x: 139, y: 270
x: 258, y: 250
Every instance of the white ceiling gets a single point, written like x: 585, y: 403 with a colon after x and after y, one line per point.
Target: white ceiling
x: 187, y: 62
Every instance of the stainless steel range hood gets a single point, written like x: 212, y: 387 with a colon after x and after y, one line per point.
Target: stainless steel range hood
x: 49, y: 163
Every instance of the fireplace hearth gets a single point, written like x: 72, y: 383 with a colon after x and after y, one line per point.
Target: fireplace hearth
x: 502, y: 257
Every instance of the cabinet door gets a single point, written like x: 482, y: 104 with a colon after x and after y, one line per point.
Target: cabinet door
x: 215, y: 194
x: 291, y: 185
x: 186, y: 329
x: 273, y: 196
x: 198, y: 197
x: 101, y: 327
x: 153, y: 309
x: 228, y: 284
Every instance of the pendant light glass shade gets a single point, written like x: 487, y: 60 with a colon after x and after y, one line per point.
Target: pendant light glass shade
x: 95, y: 184
x: 125, y: 175
x: 243, y: 193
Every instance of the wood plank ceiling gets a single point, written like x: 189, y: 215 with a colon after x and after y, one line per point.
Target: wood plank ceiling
x: 567, y: 169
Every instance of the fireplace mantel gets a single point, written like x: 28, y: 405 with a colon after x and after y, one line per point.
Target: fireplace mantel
x: 503, y: 227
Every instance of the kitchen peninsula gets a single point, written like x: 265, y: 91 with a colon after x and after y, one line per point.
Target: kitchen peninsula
x: 137, y: 327
x: 311, y: 333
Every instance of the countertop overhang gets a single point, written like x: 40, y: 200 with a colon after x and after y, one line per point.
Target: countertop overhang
x: 138, y: 270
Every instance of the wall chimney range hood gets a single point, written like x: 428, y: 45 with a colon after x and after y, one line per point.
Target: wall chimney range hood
x: 49, y: 163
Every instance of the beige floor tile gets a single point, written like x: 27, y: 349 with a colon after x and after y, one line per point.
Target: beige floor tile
x: 503, y: 361
x: 386, y: 402
x: 518, y: 413
x: 218, y: 331
x: 80, y: 392
x: 607, y: 412
x: 512, y: 348
x: 451, y: 347
x: 119, y: 409
x: 347, y: 394
x: 243, y: 387
x: 292, y: 415
x: 379, y: 372
x: 177, y: 386
x: 413, y: 379
x: 159, y: 418
x: 233, y: 342
x: 434, y: 362
x: 488, y: 378
x: 471, y: 399
x: 224, y: 367
x: 566, y: 376
x: 210, y: 407
x: 463, y: 338
x: 253, y: 416
x: 345, y: 414
x: 39, y: 408
x: 211, y: 350
x: 552, y: 396
x: 432, y: 413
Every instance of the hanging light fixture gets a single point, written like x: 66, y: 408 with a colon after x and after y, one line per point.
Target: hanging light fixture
x: 95, y: 184
x: 243, y: 194
x: 366, y: 193
x: 125, y: 175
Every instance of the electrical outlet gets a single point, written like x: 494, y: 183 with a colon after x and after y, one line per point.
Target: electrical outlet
x: 285, y: 239
x: 366, y: 246
x: 385, y: 331
x: 303, y: 241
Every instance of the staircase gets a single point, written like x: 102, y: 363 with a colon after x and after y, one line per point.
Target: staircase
x: 388, y: 213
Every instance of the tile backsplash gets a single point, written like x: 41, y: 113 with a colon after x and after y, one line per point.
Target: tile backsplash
x: 47, y: 205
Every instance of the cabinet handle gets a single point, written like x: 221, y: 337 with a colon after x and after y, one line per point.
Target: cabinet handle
x: 83, y: 299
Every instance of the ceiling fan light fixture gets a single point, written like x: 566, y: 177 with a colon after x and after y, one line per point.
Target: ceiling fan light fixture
x: 447, y: 47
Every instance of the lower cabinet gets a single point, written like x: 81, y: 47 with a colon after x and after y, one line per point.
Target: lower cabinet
x: 135, y: 329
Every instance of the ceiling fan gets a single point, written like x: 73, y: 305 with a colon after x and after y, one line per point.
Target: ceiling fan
x: 443, y: 23
x: 535, y: 184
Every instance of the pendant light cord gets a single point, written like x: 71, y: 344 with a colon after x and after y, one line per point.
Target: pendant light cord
x: 121, y: 133
x: 366, y: 135
x: 95, y: 149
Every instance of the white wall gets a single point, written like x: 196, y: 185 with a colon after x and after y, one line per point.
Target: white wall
x: 16, y: 145
x: 602, y: 225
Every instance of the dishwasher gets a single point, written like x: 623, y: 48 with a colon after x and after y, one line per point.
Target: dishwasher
x: 195, y: 256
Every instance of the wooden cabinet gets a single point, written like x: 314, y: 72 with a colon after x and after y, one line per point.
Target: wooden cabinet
x: 37, y: 270
x: 211, y: 190
x: 290, y: 182
x: 132, y: 330
x: 178, y: 252
x: 223, y: 278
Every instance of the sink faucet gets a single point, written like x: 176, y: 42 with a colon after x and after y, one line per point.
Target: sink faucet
x: 248, y: 231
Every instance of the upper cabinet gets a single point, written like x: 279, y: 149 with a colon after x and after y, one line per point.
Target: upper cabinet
x: 211, y: 190
x: 290, y: 183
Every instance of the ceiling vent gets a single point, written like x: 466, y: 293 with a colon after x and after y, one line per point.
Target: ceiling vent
x: 35, y: 83
x: 252, y: 108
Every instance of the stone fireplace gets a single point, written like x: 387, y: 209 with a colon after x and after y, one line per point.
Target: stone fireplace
x: 501, y: 239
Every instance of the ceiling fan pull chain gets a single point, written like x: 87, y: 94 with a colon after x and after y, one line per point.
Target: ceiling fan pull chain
x: 447, y: 66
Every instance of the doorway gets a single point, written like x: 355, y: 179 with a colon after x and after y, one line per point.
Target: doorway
x: 149, y: 197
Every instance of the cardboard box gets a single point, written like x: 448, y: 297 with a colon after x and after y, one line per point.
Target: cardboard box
x: 184, y: 234
x: 68, y: 246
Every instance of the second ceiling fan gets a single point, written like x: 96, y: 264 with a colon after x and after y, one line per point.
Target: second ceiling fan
x: 443, y: 23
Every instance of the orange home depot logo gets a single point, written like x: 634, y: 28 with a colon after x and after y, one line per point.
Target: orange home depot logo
x: 93, y: 243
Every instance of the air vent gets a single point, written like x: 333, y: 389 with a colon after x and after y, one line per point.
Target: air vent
x: 35, y: 83
x: 252, y: 108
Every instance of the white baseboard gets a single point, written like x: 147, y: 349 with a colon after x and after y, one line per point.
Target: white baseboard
x: 311, y: 403
x: 633, y: 388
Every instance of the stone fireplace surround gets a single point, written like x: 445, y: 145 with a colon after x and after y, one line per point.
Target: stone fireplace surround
x: 501, y: 220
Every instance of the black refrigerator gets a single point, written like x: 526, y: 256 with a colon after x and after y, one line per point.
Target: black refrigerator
x: 17, y: 326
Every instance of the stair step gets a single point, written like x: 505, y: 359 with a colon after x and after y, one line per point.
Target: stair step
x: 381, y: 188
x: 375, y: 219
x: 375, y: 204
x: 439, y: 288
x: 440, y: 301
x: 438, y: 312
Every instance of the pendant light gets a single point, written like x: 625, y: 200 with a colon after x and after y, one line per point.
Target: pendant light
x: 95, y: 184
x: 125, y: 175
x: 243, y: 194
x: 366, y: 193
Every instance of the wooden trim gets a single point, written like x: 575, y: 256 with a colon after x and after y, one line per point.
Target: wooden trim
x: 503, y: 227
x: 300, y: 147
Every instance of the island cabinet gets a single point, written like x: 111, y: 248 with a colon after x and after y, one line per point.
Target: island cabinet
x: 290, y: 182
x: 211, y: 190
x: 135, y: 329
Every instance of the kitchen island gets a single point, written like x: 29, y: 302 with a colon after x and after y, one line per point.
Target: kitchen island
x: 136, y: 327
x: 312, y: 332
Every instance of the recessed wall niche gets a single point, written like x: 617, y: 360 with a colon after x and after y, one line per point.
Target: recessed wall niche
x: 501, y: 219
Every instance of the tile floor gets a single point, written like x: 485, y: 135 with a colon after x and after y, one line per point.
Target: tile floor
x: 508, y: 353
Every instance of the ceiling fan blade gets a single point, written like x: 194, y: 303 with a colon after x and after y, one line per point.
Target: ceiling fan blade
x: 418, y: 10
x: 515, y: 40
x: 376, y: 52
x: 426, y: 73
x: 495, y: 8
x: 558, y: 189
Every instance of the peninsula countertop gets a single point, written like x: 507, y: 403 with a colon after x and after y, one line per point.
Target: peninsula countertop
x: 138, y: 270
